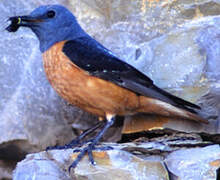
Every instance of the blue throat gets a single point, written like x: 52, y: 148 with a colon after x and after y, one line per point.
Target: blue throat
x: 48, y: 39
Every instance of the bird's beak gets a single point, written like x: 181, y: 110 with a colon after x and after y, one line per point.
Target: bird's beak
x: 26, y: 21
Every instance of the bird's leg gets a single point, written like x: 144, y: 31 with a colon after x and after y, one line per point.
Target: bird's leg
x: 104, y: 148
x: 119, y: 119
x: 91, y: 146
x: 76, y: 141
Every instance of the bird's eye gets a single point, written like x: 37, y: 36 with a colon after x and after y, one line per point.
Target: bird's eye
x: 50, y: 14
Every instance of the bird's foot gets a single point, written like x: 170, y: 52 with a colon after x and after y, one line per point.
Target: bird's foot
x: 87, y: 150
x: 72, y: 144
x: 91, y: 146
x: 77, y: 141
x: 104, y: 148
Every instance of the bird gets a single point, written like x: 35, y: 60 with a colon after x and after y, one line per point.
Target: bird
x: 88, y: 75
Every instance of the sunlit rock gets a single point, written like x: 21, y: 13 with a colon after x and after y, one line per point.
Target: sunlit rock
x: 197, y: 163
x: 176, y: 43
x: 128, y: 161
x: 114, y: 164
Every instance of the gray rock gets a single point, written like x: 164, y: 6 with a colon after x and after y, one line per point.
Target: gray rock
x: 133, y: 161
x: 114, y: 164
x: 196, y: 163
x: 176, y: 43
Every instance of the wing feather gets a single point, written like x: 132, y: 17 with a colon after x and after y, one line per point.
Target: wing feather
x: 94, y: 58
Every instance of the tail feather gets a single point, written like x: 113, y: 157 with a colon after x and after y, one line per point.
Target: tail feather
x: 178, y: 101
x: 154, y: 106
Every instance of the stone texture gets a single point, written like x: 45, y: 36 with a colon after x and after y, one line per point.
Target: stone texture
x: 197, y: 163
x: 110, y: 165
x: 131, y: 161
x: 176, y: 43
x: 114, y: 164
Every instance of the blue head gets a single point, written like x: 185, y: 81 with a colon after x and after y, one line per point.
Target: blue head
x: 51, y: 24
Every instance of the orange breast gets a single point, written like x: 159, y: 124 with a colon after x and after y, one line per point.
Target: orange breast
x: 92, y: 94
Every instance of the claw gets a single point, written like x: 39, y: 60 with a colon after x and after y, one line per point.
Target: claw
x: 77, y: 150
x: 82, y: 153
x: 91, y: 159
x: 77, y: 142
x: 78, y: 158
x: 72, y: 144
x: 91, y: 146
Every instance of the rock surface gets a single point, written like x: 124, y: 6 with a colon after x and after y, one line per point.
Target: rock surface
x: 197, y: 163
x: 111, y: 165
x: 160, y: 159
x: 176, y: 43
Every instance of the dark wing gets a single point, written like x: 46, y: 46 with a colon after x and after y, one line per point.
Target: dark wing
x: 98, y: 61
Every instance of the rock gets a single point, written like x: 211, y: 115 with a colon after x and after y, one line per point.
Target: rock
x: 196, y: 163
x: 139, y: 160
x: 114, y: 164
x: 176, y: 43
